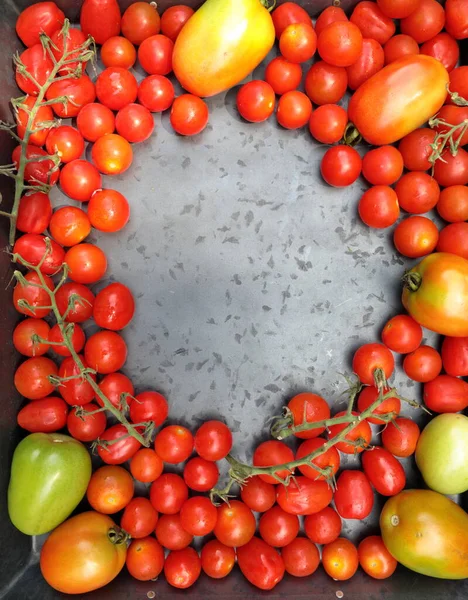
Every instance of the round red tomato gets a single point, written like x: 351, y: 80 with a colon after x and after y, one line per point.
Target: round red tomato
x: 108, y: 210
x: 81, y: 91
x: 354, y: 497
x: 114, y: 307
x: 415, y: 237
x: 369, y: 395
x: 145, y: 558
x: 456, y: 19
x: 198, y: 515
x: 25, y: 334
x: 116, y: 87
x: 399, y: 46
x: 444, y: 394
x: 453, y: 115
x: 34, y: 213
x: 417, y: 192
x: 271, y: 453
x: 110, y: 489
x: 69, y: 225
x: 95, y: 120
x: 256, y: 101
x: 75, y: 391
x: 340, y: 559
x: 452, y: 170
x: 105, y: 352
x: 453, y: 239
x: 43, y: 17
x: 369, y: 62
x: 277, y: 527
x: 74, y: 40
x: 372, y: 22
x: 303, y: 496
x: 149, y: 406
x: 378, y: 207
x: 170, y: 533
x: 213, y: 440
x: 32, y: 247
x: 182, y: 568
x: 329, y: 15
x: 140, y: 21
x: 41, y: 170
x: 326, y: 84
x: 86, y: 428
x: 38, y: 131
x: 135, y: 123
x: 288, y: 14
x: 398, y: 9
x: 86, y: 263
x: 357, y: 439
x: 173, y: 19
x: 416, y: 149
x: 113, y: 386
x: 282, y: 75
x: 341, y: 166
x: 38, y: 64
x: 384, y: 471
x: 298, y: 42
x: 340, y: 43
x: 217, y: 560
x: 382, y: 166
x: 65, y: 141
x: 189, y: 115
x: 174, y: 444
x: 77, y: 339
x: 43, y: 416
x: 301, y: 557
x: 328, y: 460
x: 146, y: 466
x: 294, y: 110
x: 308, y: 408
x: 155, y: 55
x: 79, y: 179
x: 257, y: 494
x: 444, y: 48
x: 327, y: 123
x: 375, y: 559
x: 168, y: 493
x: 121, y: 451
x: 425, y: 22
x: 323, y: 527
x: 454, y: 356
x: 156, y: 93
x: 235, y: 525
x: 370, y: 357
x: 112, y: 154
x: 402, y: 334
x: 201, y: 475
x: 117, y: 51
x: 458, y: 83
x: 75, y: 302
x: 422, y: 365
x: 401, y: 437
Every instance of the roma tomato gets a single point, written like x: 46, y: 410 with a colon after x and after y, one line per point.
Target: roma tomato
x: 327, y: 16
x: 369, y: 358
x: 105, y: 352
x: 101, y: 19
x: 23, y: 337
x: 256, y: 101
x: 308, y: 408
x: 217, y: 560
x: 452, y: 170
x: 271, y: 453
x: 189, y: 115
x: 357, y: 439
x: 38, y: 65
x: 258, y: 495
x: 145, y: 559
x: 156, y: 93
x: 32, y: 247
x: 303, y: 496
x: 260, y: 564
x: 369, y: 395
x: 201, y: 475
x: 398, y: 9
x: 120, y: 451
x: 32, y: 377
x: 354, y: 497
x: 383, y: 116
x: 277, y: 527
x: 453, y: 239
x: 402, y: 334
x: 39, y: 131
x: 375, y: 559
x: 155, y: 55
x: 340, y: 559
x: 416, y: 149
x: 93, y: 549
x: 445, y: 394
x: 86, y: 263
x: 43, y: 416
x: 372, y: 22
x: 149, y: 406
x: 323, y: 527
x: 326, y: 84
x: 79, y: 179
x: 146, y: 466
x: 340, y: 43
x: 168, y: 493
x: 135, y: 123
x: 341, y: 166
x: 444, y: 48
x: 458, y: 83
x: 213, y: 440
x: 113, y: 386
x: 425, y: 22
x: 43, y: 17
x: 140, y: 21
x: 174, y: 444
x: 327, y: 123
x: 110, y: 489
x: 301, y: 557
x: 75, y: 301
x: 399, y: 46
x: 288, y: 14
x: 173, y: 19
x: 65, y: 141
x: 298, y: 42
x: 235, y: 525
x: 41, y: 170
x: 108, y: 210
x: 34, y: 213
x: 69, y: 225
x: 76, y: 391
x: 95, y: 120
x: 77, y: 339
x: 378, y: 207
x: 86, y: 428
x: 369, y: 62
x: 384, y: 471
x: 294, y: 110
x: 198, y: 515
x: 328, y: 460
x: 417, y: 192
x: 456, y: 19
x: 81, y: 91
x: 114, y: 307
x: 117, y: 51
x: 116, y: 87
x: 182, y: 568
x: 401, y: 437
x: 112, y: 154
x: 454, y: 356
x: 422, y: 365
x: 170, y: 533
x: 382, y: 166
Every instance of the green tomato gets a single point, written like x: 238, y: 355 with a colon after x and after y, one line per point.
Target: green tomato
x: 442, y: 454
x: 49, y: 476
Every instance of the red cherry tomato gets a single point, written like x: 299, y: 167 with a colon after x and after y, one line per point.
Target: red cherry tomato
x: 86, y: 263
x: 79, y: 180
x: 198, y: 515
x: 400, y: 438
x: 417, y: 192
x: 217, y: 560
x: 327, y: 16
x: 95, y: 120
x: 32, y: 247
x: 116, y: 87
x: 271, y: 453
x: 384, y: 471
x: 173, y: 19
x: 38, y: 64
x: 34, y: 213
x: 170, y: 533
x: 354, y: 497
x: 42, y: 171
x: 456, y: 19
x: 425, y: 22
x: 258, y: 495
x: 308, y: 408
x: 327, y: 123
x: 453, y: 239
x: 416, y: 149
x: 76, y: 391
x: 301, y: 557
x: 146, y: 466
x: 298, y: 42
x: 341, y: 166
x: 415, y: 237
x: 444, y: 48
x: 112, y: 154
x: 372, y: 22
x: 323, y: 527
x: 23, y: 337
x: 288, y: 14
x: 114, y: 307
x: 81, y: 91
x: 369, y: 395
x: 75, y: 301
x: 121, y: 451
x: 113, y: 386
x: 135, y: 123
x: 382, y: 166
x: 357, y: 439
x: 256, y: 101
x: 370, y: 357
x: 326, y: 84
x: 282, y: 75
x: 105, y: 352
x: 277, y: 527
x: 340, y: 559
x: 56, y: 338
x: 402, y: 334
x: 38, y: 130
x: 74, y: 39
x: 168, y: 493
x: 43, y: 416
x: 375, y: 559
x: 340, y: 43
x: 174, y: 444
x: 303, y: 496
x: 454, y: 356
x: 32, y: 377
x: 145, y: 559
x: 149, y: 406
x: 69, y: 225
x: 140, y: 21
x: 155, y: 55
x: 260, y: 564
x: 235, y: 525
x: 213, y: 440
x: 453, y: 204
x: 369, y: 62
x: 31, y: 294
x: 444, y: 394
x: 424, y: 364
x: 458, y: 83
x: 399, y: 46
x: 139, y: 518
x: 454, y: 115
x: 201, y: 475
x: 189, y: 115
x: 43, y: 17
x: 452, y: 170
x: 182, y: 568
x: 329, y: 459
x: 378, y: 207
x: 156, y: 93
x: 86, y: 428
x: 65, y: 141
x: 117, y: 51
x: 108, y: 210
x: 398, y: 9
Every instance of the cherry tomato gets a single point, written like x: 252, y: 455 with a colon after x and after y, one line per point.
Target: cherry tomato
x: 95, y: 120
x: 444, y: 48
x: 43, y: 416
x: 146, y: 466
x: 340, y: 43
x: 198, y: 515
x: 86, y: 428
x: 416, y: 149
x: 34, y: 213
x: 271, y: 453
x: 417, y: 192
x: 121, y: 451
x: 135, y: 123
x: 217, y: 560
x: 372, y: 22
x: 65, y: 141
x: 454, y: 356
x: 256, y: 101
x: 201, y: 475
x: 277, y: 527
x: 86, y: 263
x: 116, y: 87
x: 422, y: 365
x: 23, y: 337
x: 444, y: 394
x: 114, y: 307
x: 258, y: 495
x: 117, y: 51
x: 42, y: 171
x: 173, y: 19
x: 399, y: 46
x: 174, y: 444
x: 340, y: 559
x: 326, y: 84
x: 260, y: 564
x: 38, y: 64
x: 213, y: 440
x: 76, y: 391
x: 170, y: 533
x: 415, y: 237
x: 113, y: 386
x: 110, y: 489
x: 400, y: 438
x: 155, y: 55
x: 235, y: 525
x: 43, y: 17
x: 149, y: 406
x: 78, y: 298
x: 369, y: 395
x: 298, y: 42
x: 81, y: 91
x: 454, y: 115
x: 100, y: 19
x: 398, y: 9
x: 323, y: 527
x: 354, y: 497
x: 140, y: 21
x: 282, y: 75
x: 383, y: 471
x: 39, y: 131
x: 358, y: 438
x: 301, y: 557
x: 79, y: 179
x: 375, y: 559
x: 288, y: 14
x: 308, y: 408
x: 402, y: 334
x: 328, y: 123
x: 74, y: 39
x: 105, y: 352
x: 341, y: 166
x: 458, y: 83
x: 378, y: 207
x: 329, y: 459
x: 294, y: 110
x: 456, y: 19
x: 156, y: 93
x: 453, y: 239
x: 452, y: 170
x: 32, y: 247
x: 145, y: 558
x: 425, y: 22
x: 327, y: 16
x: 370, y: 357
x: 369, y: 62
x: 108, y: 210
x: 303, y: 496
x: 112, y: 154
x: 56, y: 338
x: 382, y: 166
x: 182, y: 568
x: 69, y: 225
x: 189, y: 115
x: 168, y: 493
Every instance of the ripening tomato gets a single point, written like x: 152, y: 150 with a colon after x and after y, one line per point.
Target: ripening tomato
x: 235, y: 525
x: 378, y: 207
x: 401, y: 437
x: 458, y: 83
x: 260, y: 564
x: 415, y: 237
x: 156, y: 93
x: 329, y: 15
x: 86, y: 428
x: 271, y: 453
x: 168, y: 493
x: 38, y: 64
x: 173, y: 19
x: 113, y: 386
x: 23, y: 337
x: 277, y: 527
x: 105, y: 352
x: 213, y: 440
x: 308, y: 408
x: 257, y: 494
x: 425, y: 22
x: 145, y: 559
x: 174, y: 444
x: 354, y: 497
x: 43, y: 17
x: 217, y: 560
x: 108, y: 210
x: 256, y: 101
x: 86, y: 263
x: 65, y: 141
x: 370, y: 61
x: 422, y: 365
x: 443, y: 48
x: 79, y: 179
x: 340, y: 43
x: 382, y: 166
x: 116, y: 87
x: 149, y: 406
x: 326, y: 84
x: 182, y: 567
x: 146, y: 466
x: 327, y: 123
x: 369, y: 395
x: 32, y: 377
x: 383, y: 471
x: 95, y: 120
x: 452, y: 170
x: 301, y: 557
x: 328, y: 460
x: 75, y: 302
x: 398, y: 9
x: 114, y: 307
x: 454, y: 355
x: 375, y: 559
x: 399, y: 46
x: 371, y: 357
x: 453, y: 239
x: 38, y: 130
x: 189, y: 114
x: 454, y: 115
x: 77, y: 339
x: 357, y: 439
x: 75, y: 391
x: 444, y: 394
x: 372, y: 22
x: 80, y: 91
x: 73, y: 40
x: 112, y: 154
x: 282, y: 75
x: 34, y: 213
x: 340, y: 559
x: 402, y: 334
x: 110, y: 489
x: 69, y: 225
x: 456, y: 19
x: 294, y: 110
x: 341, y: 166
x: 198, y: 515
x: 140, y: 21
x: 120, y: 451
x: 170, y: 533
x: 100, y: 19
x: 323, y: 527
x: 298, y: 42
x: 416, y: 149
x: 155, y: 55
x: 201, y: 475
x: 43, y: 416
x: 287, y: 14
x: 417, y: 192
x: 117, y: 51
x: 41, y: 170
x: 135, y: 123
x: 302, y: 496
x: 32, y: 247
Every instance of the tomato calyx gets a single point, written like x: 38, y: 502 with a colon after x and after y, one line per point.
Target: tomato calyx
x: 351, y: 136
x: 412, y: 281
x: 118, y: 536
x: 268, y: 4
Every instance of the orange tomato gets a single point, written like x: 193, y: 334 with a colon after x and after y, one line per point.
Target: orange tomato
x: 375, y: 559
x: 110, y: 489
x: 340, y: 559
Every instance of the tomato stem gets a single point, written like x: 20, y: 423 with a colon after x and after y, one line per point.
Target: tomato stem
x: 351, y: 135
x: 118, y: 536
x: 412, y: 281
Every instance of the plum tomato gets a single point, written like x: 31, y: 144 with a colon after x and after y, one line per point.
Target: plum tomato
x: 32, y: 247
x: 454, y: 356
x: 444, y: 394
x: 453, y: 239
x: 383, y: 471
x: 80, y: 91
x: 217, y: 560
x: 260, y: 564
x: 329, y: 15
x: 287, y: 14
x: 140, y: 21
x: 372, y: 22
x: 120, y: 451
x: 43, y: 17
x: 173, y: 19
x: 303, y: 496
x: 444, y: 48
x: 75, y: 391
x: 43, y: 416
x: 354, y: 497
x: 34, y: 213
x: 375, y: 559
x: 416, y: 149
x: 39, y: 129
x: 370, y: 61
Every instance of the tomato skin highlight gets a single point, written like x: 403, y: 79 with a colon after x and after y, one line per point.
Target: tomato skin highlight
x: 260, y: 564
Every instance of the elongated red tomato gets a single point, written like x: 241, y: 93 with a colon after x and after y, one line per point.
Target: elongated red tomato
x: 446, y: 394
x: 303, y: 496
x: 369, y: 62
x: 456, y: 18
x: 260, y: 564
x: 43, y: 17
x: 354, y: 498
x: 455, y: 356
x: 101, y: 19
x: 121, y: 450
x: 398, y: 99
x: 384, y: 471
x: 45, y: 415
